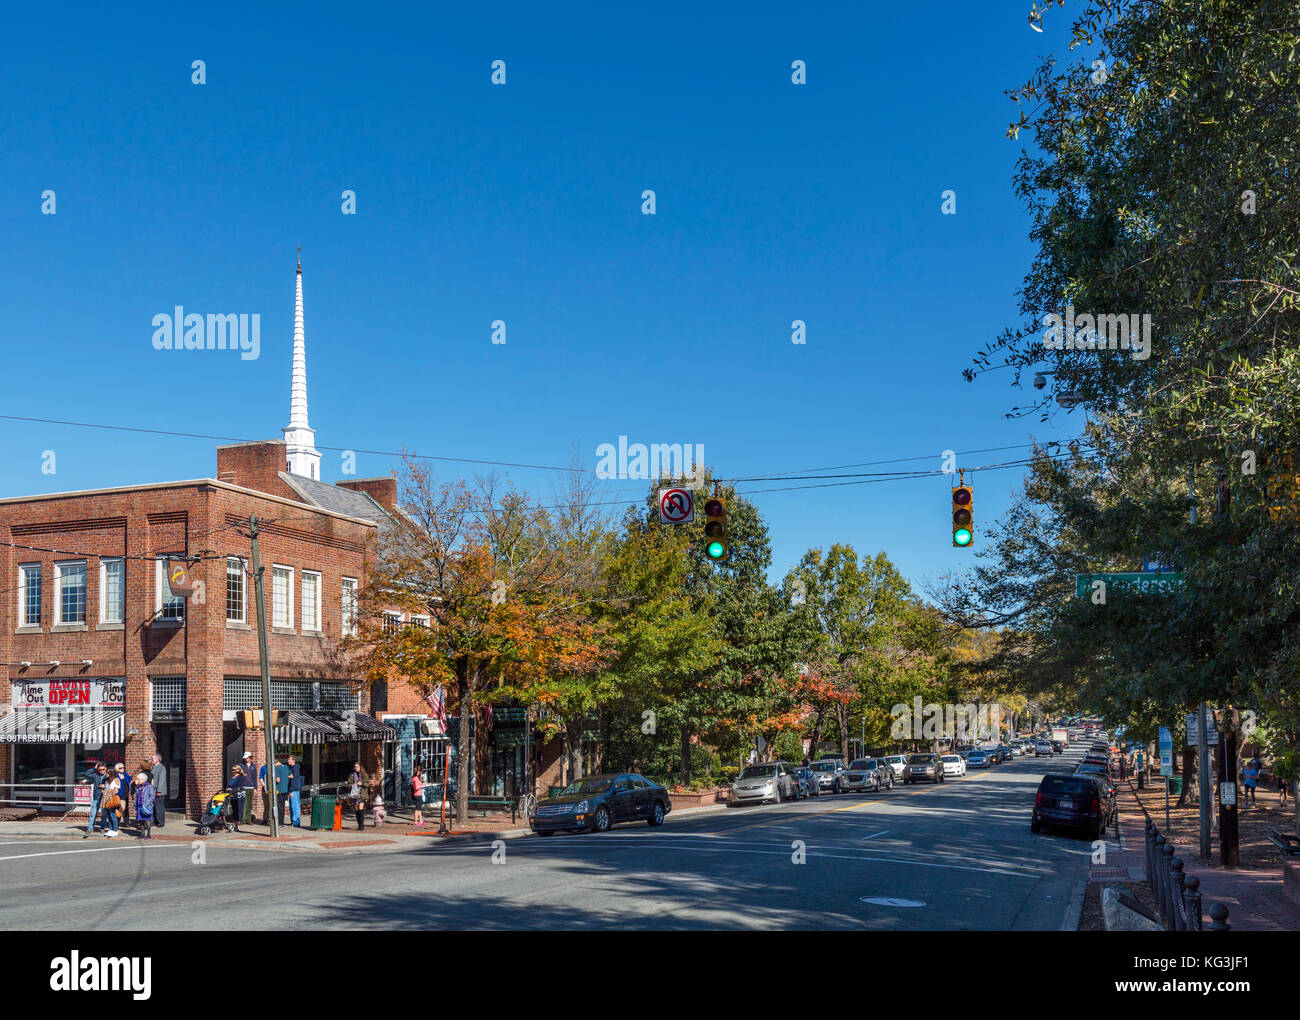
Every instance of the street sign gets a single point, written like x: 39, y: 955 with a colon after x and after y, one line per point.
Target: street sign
x: 1193, y: 731
x: 1228, y: 794
x: 1125, y: 583
x: 179, y: 582
x: 1166, y: 752
x: 676, y: 506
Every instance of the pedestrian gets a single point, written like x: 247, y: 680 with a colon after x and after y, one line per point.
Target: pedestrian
x: 98, y: 776
x: 358, y: 785
x: 1249, y: 779
x: 249, y: 772
x: 417, y: 794
x: 238, y: 791
x: 158, y: 779
x: 295, y: 792
x: 145, y: 799
x: 112, y: 804
x: 1282, y: 788
x: 281, y: 803
x: 124, y: 781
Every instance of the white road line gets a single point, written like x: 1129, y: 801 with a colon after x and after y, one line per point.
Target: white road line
x: 882, y: 832
x: 92, y: 850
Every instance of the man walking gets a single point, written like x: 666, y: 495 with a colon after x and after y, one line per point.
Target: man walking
x: 249, y: 771
x: 97, y: 776
x: 1249, y: 779
x: 158, y: 777
x: 295, y: 792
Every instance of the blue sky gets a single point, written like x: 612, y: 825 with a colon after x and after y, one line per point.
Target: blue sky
x: 522, y: 203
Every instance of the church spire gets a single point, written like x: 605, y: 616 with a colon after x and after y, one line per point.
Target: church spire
x: 299, y: 438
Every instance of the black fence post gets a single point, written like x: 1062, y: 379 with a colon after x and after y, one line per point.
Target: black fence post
x: 1176, y: 879
x: 1219, y: 918
x: 1166, y: 876
x: 1192, y: 903
x: 1157, y: 879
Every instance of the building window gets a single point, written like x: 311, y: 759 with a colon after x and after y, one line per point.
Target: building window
x: 235, y: 589
x: 282, y: 597
x: 29, y: 599
x: 70, y: 586
x: 167, y: 697
x: 392, y: 621
x: 310, y: 600
x: 349, y: 606
x: 169, y: 607
x: 419, y: 621
x: 112, y: 591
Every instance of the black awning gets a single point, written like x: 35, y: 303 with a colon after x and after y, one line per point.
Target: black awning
x: 322, y: 727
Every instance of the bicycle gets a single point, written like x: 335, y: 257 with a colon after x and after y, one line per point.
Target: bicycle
x: 527, y: 805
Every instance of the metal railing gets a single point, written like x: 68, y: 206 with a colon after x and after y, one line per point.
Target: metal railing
x: 1178, y: 896
x: 50, y: 796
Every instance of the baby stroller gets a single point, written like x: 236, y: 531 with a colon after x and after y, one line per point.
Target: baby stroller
x: 217, y: 815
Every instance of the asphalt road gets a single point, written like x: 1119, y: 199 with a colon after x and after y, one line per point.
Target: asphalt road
x: 958, y: 856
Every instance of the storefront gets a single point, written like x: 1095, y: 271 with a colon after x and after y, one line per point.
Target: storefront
x: 59, y: 729
x: 421, y: 745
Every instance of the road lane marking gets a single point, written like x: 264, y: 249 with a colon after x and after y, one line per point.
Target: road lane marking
x: 91, y: 850
x: 882, y: 832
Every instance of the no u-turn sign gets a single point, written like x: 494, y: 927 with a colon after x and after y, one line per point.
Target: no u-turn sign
x: 676, y: 506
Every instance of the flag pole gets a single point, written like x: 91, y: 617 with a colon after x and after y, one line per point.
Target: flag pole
x: 446, y: 772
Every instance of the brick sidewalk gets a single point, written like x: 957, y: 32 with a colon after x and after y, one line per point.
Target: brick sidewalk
x: 1252, y: 893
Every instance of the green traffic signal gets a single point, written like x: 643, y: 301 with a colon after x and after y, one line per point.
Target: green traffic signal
x: 961, y: 536
x: 714, y: 550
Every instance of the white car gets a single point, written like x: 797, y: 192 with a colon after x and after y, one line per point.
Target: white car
x: 953, y: 765
x: 896, y: 762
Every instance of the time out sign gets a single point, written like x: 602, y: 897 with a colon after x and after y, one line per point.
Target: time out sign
x: 92, y: 692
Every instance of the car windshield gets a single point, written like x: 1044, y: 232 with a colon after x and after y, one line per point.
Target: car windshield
x: 590, y: 785
x: 825, y: 766
x: 951, y: 757
x: 1077, y: 787
x: 759, y: 772
x: 919, y: 759
x: 864, y: 763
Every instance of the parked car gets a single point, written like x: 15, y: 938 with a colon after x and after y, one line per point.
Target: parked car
x: 860, y: 777
x: 979, y: 760
x: 1042, y: 748
x: 766, y: 781
x: 953, y: 765
x: 596, y: 803
x: 806, y: 784
x: 828, y: 772
x: 923, y: 766
x: 1058, y: 747
x: 1073, y: 802
x: 896, y: 762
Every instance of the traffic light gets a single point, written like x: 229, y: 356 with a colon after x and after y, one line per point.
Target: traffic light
x: 963, y: 523
x: 715, y: 529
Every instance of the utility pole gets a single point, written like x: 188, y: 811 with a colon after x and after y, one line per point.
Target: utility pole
x: 268, y: 719
x: 1203, y: 745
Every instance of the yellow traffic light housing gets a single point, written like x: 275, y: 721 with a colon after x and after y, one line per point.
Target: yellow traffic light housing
x: 715, y: 529
x: 963, y: 520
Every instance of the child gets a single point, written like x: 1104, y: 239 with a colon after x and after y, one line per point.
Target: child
x: 145, y: 795
x: 379, y: 811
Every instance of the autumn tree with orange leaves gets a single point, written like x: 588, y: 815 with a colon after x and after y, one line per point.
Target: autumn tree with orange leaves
x: 498, y: 578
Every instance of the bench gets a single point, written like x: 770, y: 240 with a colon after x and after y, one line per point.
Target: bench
x: 483, y: 803
x: 1289, y: 845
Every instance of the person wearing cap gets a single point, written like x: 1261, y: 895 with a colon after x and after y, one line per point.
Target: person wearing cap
x: 236, y: 786
x: 248, y: 771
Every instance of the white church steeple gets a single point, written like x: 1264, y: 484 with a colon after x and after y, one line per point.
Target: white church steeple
x: 299, y: 438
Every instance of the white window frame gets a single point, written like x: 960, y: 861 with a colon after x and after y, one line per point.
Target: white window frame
x: 418, y: 620
x: 392, y: 622
x: 104, y: 604
x: 349, y: 612
x: 276, y: 568
x: 58, y: 591
x: 24, y: 583
x: 310, y: 623
x: 163, y: 599
x: 243, y: 589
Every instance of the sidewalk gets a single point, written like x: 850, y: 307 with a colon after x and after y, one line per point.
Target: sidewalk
x: 1252, y: 893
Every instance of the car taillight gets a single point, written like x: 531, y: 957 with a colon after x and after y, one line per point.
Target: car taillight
x: 1096, y: 805
x: 1039, y: 800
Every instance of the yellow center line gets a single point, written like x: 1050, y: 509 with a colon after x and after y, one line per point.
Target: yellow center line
x: 810, y: 814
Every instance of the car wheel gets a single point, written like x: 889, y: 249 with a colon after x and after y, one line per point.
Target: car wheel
x: 875, y: 785
x: 546, y: 832
x: 601, y: 822
x: 656, y: 814
x: 779, y: 798
x: 1034, y: 825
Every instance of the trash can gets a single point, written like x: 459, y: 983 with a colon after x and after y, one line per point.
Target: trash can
x: 322, y: 812
x: 247, y: 817
x: 1175, y: 786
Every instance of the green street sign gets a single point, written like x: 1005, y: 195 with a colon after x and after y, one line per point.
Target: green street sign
x: 1124, y: 583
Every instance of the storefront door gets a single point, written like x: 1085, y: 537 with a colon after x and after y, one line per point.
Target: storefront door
x: 171, y: 745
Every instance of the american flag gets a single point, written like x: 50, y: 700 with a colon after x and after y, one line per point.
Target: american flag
x: 439, y: 707
x: 487, y: 717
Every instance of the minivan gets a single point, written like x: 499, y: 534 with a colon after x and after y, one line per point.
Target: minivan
x: 1072, y: 802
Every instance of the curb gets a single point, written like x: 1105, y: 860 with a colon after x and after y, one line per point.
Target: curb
x: 1074, y: 912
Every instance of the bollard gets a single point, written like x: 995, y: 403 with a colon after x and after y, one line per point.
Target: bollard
x: 1157, y: 860
x: 1176, y: 879
x: 1166, y: 876
x: 1192, y: 903
x: 1219, y: 917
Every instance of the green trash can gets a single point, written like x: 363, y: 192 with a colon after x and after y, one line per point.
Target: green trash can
x: 1175, y: 786
x: 247, y: 818
x: 322, y: 812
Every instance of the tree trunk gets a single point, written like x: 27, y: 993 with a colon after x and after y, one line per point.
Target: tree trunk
x: 816, y: 733
x: 464, y: 690
x: 1189, y: 764
x: 842, y: 719
x: 686, y: 755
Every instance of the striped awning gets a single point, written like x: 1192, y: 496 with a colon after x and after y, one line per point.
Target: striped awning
x: 320, y: 727
x: 64, y: 726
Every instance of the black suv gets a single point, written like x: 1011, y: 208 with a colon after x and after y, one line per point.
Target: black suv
x: 1079, y: 802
